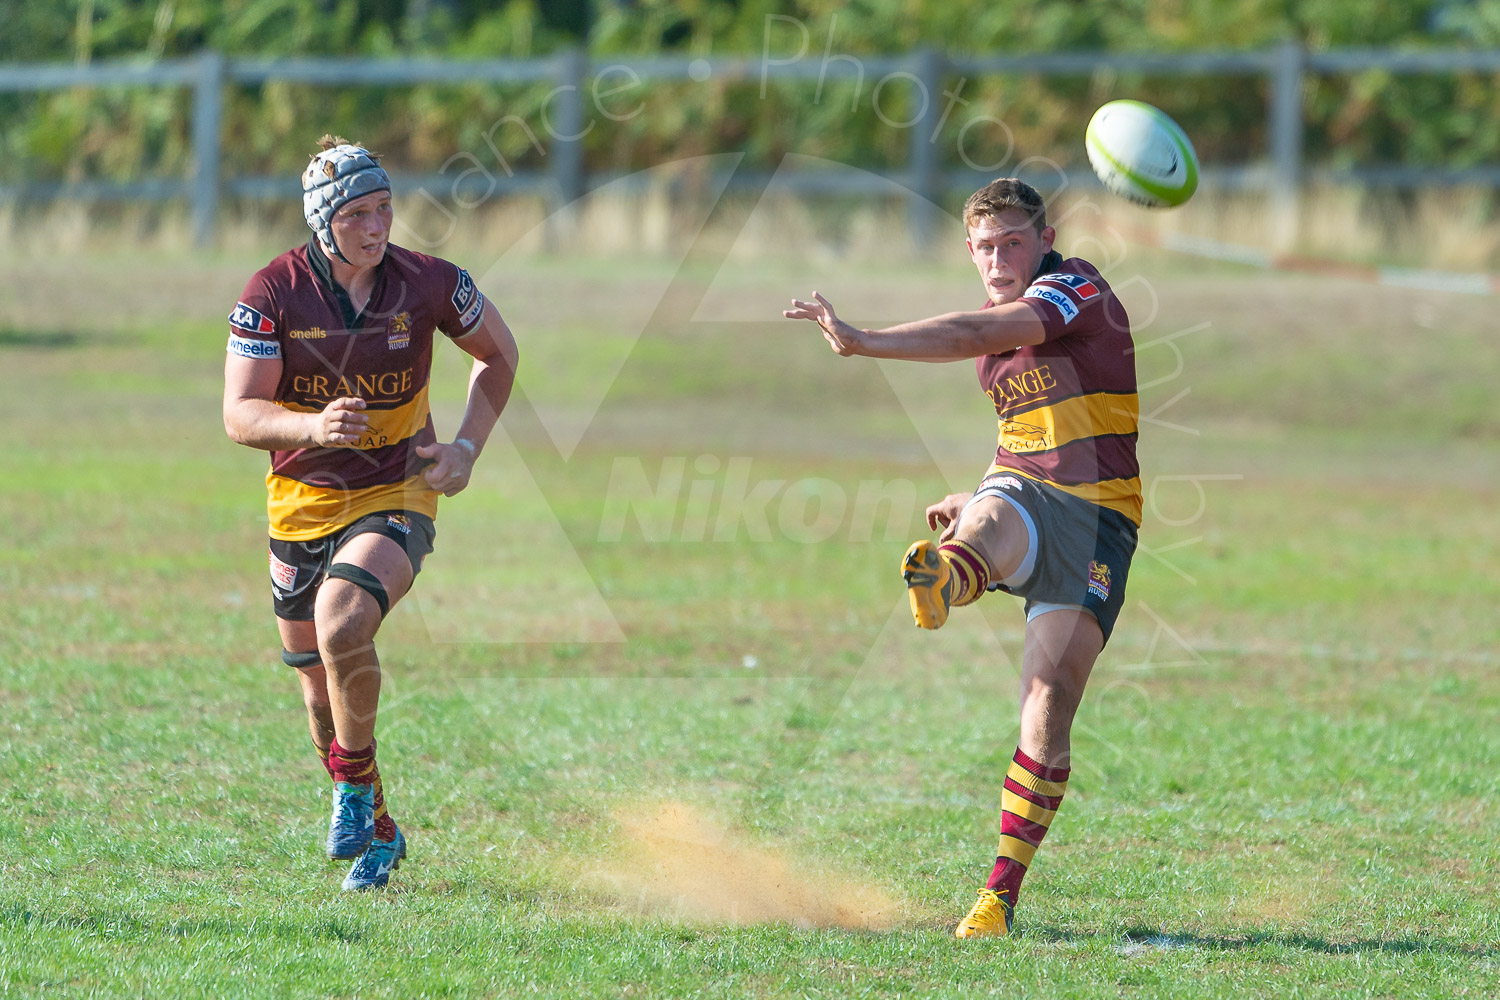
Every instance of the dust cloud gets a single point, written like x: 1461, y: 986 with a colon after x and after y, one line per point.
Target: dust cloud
x: 672, y: 861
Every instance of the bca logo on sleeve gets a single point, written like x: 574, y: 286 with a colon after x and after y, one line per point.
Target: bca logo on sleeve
x: 250, y: 320
x: 1077, y: 283
x: 467, y: 299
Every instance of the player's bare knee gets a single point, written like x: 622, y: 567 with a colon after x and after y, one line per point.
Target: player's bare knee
x: 316, y: 699
x: 347, y: 618
x: 352, y: 631
x: 1061, y: 693
x: 994, y: 529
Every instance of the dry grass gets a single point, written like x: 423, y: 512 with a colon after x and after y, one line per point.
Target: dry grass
x: 1455, y: 229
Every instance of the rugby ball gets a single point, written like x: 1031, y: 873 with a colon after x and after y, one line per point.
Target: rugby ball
x: 1141, y: 154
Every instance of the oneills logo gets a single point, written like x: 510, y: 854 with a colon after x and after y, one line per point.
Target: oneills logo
x: 313, y: 333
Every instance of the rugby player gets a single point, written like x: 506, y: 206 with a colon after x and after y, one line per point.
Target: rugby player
x: 330, y: 349
x: 1054, y: 520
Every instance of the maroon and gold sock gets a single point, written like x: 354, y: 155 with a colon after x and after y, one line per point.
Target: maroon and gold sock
x: 357, y: 767
x: 1028, y: 802
x: 323, y: 759
x: 971, y: 572
x: 385, y: 827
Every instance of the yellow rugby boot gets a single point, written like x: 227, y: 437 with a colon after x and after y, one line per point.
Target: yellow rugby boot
x: 929, y: 583
x: 992, y: 916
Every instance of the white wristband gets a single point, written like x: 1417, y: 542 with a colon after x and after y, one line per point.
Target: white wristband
x: 468, y: 446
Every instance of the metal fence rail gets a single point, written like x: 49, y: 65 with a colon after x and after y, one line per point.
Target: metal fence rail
x: 1285, y: 69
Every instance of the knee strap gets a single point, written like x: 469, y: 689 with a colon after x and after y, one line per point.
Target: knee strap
x: 301, y: 660
x: 364, y: 580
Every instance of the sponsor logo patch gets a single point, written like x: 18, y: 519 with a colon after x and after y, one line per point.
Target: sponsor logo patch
x: 400, y: 522
x: 1099, y: 580
x: 1002, y: 483
x: 1017, y: 436
x: 467, y: 299
x: 250, y: 320
x: 1080, y: 286
x: 283, y: 575
x: 1064, y: 304
x: 471, y: 315
x: 465, y: 293
x: 249, y: 347
x: 400, y: 334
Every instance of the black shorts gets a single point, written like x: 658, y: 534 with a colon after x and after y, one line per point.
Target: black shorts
x: 298, y: 569
x: 1083, y: 550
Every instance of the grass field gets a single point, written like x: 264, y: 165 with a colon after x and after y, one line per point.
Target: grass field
x: 634, y: 760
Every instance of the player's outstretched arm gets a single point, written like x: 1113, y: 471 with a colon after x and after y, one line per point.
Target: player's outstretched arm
x: 951, y: 337
x: 491, y: 379
x: 253, y: 418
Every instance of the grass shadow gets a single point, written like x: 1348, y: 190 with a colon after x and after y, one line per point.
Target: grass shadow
x: 1140, y: 940
x: 126, y: 925
x: 53, y: 339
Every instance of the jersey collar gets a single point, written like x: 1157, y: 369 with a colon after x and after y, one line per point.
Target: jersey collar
x: 323, y: 268
x: 1051, y: 261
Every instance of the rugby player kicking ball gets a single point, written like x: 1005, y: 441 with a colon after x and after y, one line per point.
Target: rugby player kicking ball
x: 1054, y: 520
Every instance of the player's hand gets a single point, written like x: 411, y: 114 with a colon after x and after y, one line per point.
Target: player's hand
x: 945, y: 512
x: 842, y: 337
x: 453, y: 464
x: 340, y: 424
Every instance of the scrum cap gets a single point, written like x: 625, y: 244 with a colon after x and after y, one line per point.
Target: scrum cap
x: 334, y: 178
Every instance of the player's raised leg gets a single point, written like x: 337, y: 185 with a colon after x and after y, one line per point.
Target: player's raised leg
x: 985, y: 539
x: 1061, y: 647
x: 369, y: 573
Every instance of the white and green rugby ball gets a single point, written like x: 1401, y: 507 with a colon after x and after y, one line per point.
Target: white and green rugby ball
x: 1141, y: 154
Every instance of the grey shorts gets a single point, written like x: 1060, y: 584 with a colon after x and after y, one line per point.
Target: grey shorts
x: 1080, y: 552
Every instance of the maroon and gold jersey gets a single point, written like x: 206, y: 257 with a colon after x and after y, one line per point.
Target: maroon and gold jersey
x: 294, y: 311
x: 1067, y: 407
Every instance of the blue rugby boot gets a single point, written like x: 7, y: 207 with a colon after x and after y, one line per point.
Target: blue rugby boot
x: 372, y: 869
x: 352, y: 826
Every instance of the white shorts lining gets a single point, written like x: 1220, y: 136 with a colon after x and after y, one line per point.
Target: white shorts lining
x: 1041, y: 609
x: 1028, y: 562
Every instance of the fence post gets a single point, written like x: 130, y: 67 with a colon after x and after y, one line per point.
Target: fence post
x: 925, y: 163
x: 208, y: 114
x: 566, y: 140
x: 1284, y: 129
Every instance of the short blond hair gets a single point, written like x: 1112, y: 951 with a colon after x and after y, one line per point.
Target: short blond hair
x: 1002, y: 195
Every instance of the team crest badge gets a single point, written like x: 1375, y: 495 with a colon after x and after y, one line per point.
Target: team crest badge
x: 1099, y: 580
x: 400, y: 333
